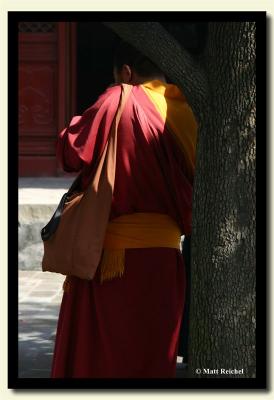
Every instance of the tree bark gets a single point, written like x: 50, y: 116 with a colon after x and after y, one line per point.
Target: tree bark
x: 221, y: 90
x: 222, y: 314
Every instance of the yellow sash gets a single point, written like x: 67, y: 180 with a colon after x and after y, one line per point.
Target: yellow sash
x: 138, y: 230
x: 131, y: 231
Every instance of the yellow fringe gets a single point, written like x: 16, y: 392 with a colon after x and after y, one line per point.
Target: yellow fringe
x: 112, y: 264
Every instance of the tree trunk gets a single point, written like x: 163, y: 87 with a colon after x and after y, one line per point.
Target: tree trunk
x: 222, y: 314
x: 221, y: 90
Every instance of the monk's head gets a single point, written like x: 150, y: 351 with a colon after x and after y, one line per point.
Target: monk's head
x: 132, y: 67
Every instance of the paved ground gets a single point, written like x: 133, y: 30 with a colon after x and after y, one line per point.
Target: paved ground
x: 40, y: 295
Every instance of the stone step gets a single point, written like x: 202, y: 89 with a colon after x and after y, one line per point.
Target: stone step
x: 38, y: 199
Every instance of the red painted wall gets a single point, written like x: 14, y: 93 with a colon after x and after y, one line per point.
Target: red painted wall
x: 46, y: 99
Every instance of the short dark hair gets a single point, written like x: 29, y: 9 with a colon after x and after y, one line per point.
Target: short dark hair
x: 124, y: 53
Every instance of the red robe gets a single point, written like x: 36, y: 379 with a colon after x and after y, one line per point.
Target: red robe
x: 127, y: 327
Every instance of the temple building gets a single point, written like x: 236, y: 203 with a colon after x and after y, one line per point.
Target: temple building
x: 63, y: 68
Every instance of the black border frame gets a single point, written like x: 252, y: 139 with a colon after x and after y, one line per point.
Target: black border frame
x: 260, y: 382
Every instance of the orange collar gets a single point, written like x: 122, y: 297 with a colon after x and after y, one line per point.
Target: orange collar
x: 166, y: 89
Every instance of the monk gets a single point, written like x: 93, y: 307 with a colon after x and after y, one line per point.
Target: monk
x: 125, y: 322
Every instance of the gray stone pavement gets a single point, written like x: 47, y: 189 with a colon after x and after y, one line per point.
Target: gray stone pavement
x: 40, y: 295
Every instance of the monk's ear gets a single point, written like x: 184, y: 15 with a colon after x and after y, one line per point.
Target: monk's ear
x: 126, y: 73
